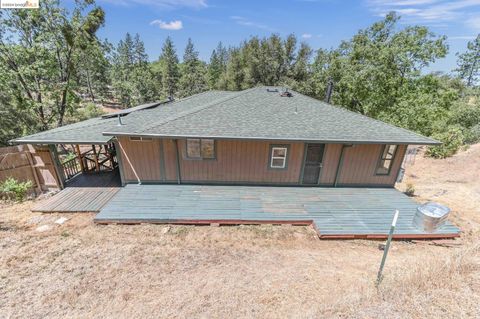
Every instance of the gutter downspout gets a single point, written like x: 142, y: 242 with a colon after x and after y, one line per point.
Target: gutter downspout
x: 179, y: 176
x: 340, y: 163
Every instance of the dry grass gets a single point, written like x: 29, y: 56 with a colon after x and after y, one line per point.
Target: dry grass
x: 81, y: 270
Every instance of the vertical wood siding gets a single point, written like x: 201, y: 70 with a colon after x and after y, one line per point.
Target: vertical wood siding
x: 247, y: 162
x: 360, y: 163
x: 140, y: 159
x: 242, y: 161
x: 330, y: 163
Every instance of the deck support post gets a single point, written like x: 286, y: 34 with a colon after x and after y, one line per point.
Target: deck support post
x: 95, y: 156
x: 108, y: 151
x: 80, y: 158
x: 118, y: 152
x: 179, y: 176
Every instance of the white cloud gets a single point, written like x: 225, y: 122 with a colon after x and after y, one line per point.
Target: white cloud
x: 306, y: 36
x: 172, y: 25
x: 426, y: 11
x: 245, y: 22
x: 165, y: 4
x: 474, y: 23
x: 462, y: 37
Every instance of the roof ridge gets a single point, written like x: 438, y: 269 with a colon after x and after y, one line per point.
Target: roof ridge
x: 363, y: 115
x: 195, y: 95
x: 196, y: 109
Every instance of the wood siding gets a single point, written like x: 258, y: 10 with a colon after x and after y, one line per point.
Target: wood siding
x: 359, y: 165
x: 246, y: 162
x: 330, y: 164
x: 242, y: 162
x: 140, y: 159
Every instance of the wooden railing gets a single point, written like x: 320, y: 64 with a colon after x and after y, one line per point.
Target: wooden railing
x: 71, y: 168
x: 90, y: 161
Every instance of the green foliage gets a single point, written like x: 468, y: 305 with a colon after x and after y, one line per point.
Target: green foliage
x: 452, y: 140
x: 88, y: 111
x: 217, y: 68
x: 169, y: 68
x: 193, y: 71
x: 13, y: 189
x: 472, y: 134
x: 410, y: 190
x: 134, y: 81
x: 41, y: 52
x: 469, y: 62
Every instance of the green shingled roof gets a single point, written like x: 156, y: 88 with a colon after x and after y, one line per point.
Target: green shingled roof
x: 85, y: 132
x: 259, y: 113
x: 256, y: 113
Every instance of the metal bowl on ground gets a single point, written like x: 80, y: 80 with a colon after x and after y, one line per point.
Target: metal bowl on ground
x: 430, y: 216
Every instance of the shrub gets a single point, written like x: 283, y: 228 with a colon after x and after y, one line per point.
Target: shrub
x: 452, y: 140
x: 472, y: 135
x: 410, y: 190
x: 13, y: 189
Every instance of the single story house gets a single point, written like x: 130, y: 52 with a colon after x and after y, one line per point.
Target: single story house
x: 234, y: 149
x: 259, y: 136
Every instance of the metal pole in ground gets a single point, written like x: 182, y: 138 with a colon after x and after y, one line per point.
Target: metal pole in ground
x: 387, y: 247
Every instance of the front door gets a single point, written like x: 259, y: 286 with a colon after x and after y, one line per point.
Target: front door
x: 313, y: 163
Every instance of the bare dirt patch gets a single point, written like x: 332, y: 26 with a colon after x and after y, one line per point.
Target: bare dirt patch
x: 78, y: 269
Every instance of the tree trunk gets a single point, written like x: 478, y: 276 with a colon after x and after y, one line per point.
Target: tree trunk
x: 89, y: 84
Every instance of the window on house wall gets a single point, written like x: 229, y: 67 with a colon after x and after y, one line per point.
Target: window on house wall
x: 386, y: 159
x: 278, y: 156
x: 200, y: 148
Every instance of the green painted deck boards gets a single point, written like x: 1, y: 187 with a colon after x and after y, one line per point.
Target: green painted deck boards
x: 77, y: 199
x: 333, y: 211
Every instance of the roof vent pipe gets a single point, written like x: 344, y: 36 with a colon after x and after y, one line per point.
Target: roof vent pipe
x: 328, y: 93
x: 119, y: 120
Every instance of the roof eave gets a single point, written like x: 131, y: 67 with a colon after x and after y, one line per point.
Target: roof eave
x: 309, y: 140
x: 80, y: 142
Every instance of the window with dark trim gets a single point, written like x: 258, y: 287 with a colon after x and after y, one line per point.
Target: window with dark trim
x: 200, y: 148
x: 386, y: 159
x: 278, y: 156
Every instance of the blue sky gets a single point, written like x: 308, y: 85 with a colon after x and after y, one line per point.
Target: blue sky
x: 321, y: 23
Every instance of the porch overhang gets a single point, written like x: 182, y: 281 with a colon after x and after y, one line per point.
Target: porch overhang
x: 61, y: 141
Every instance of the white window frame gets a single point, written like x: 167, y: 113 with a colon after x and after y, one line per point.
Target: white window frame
x: 284, y: 158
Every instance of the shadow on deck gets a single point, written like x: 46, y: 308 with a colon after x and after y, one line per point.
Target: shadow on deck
x: 100, y: 179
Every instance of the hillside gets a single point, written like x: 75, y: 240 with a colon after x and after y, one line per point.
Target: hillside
x: 81, y: 270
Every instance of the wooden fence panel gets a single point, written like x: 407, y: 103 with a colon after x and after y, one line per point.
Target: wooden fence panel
x: 29, y: 163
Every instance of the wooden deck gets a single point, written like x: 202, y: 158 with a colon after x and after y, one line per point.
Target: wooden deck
x: 100, y: 179
x: 77, y: 199
x: 333, y: 212
x: 84, y: 193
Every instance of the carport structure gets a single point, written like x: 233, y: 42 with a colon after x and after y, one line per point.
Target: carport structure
x: 85, y: 163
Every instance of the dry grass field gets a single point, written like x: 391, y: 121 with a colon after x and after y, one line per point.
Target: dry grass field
x: 80, y: 270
